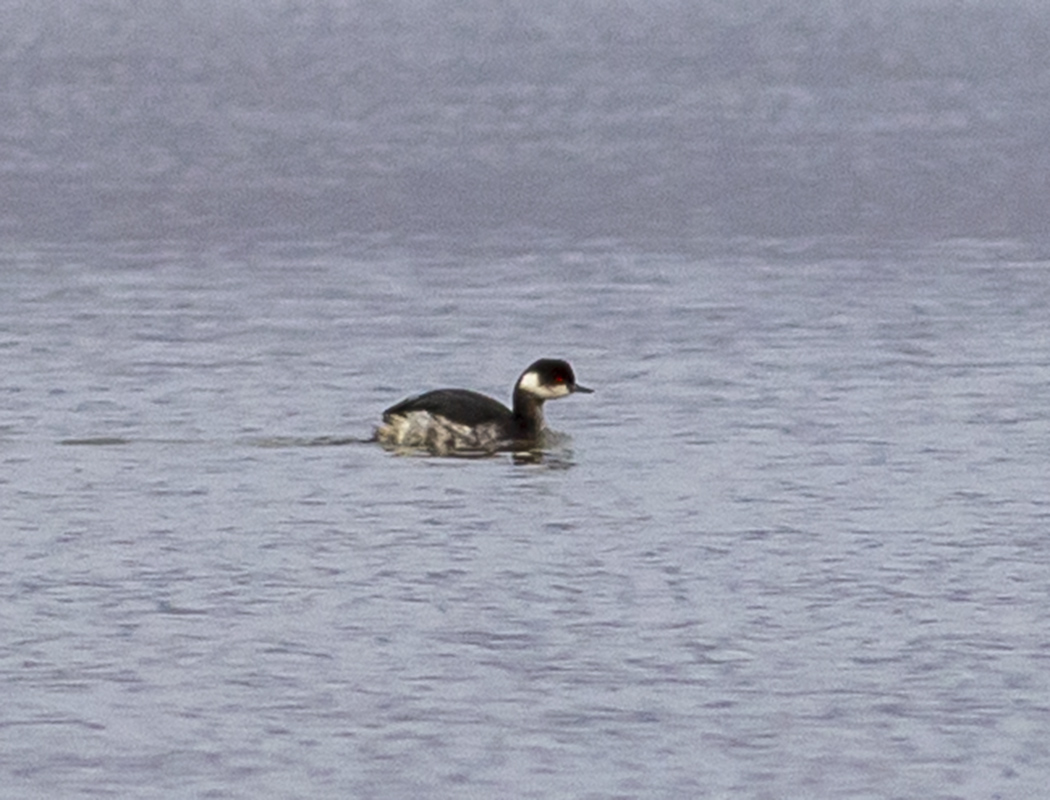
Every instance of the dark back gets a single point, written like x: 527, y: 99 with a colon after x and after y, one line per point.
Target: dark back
x: 458, y: 405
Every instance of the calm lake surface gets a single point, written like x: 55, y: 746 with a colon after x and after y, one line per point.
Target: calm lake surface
x: 795, y: 545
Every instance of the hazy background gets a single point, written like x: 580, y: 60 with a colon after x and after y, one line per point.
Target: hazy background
x: 645, y: 119
x: 794, y: 545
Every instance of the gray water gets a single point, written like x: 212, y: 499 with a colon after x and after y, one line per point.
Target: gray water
x: 794, y: 546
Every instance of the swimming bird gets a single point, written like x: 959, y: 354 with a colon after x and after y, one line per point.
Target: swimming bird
x: 450, y: 421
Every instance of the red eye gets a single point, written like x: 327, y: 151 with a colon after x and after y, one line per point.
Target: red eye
x: 559, y: 379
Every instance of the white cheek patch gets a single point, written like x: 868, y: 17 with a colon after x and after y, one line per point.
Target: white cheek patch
x: 530, y: 383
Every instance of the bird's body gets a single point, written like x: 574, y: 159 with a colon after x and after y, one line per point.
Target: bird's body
x: 450, y: 421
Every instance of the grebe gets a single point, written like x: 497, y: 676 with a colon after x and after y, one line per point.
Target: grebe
x: 447, y: 421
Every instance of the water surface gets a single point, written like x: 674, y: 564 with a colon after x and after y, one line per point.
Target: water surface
x: 794, y: 544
